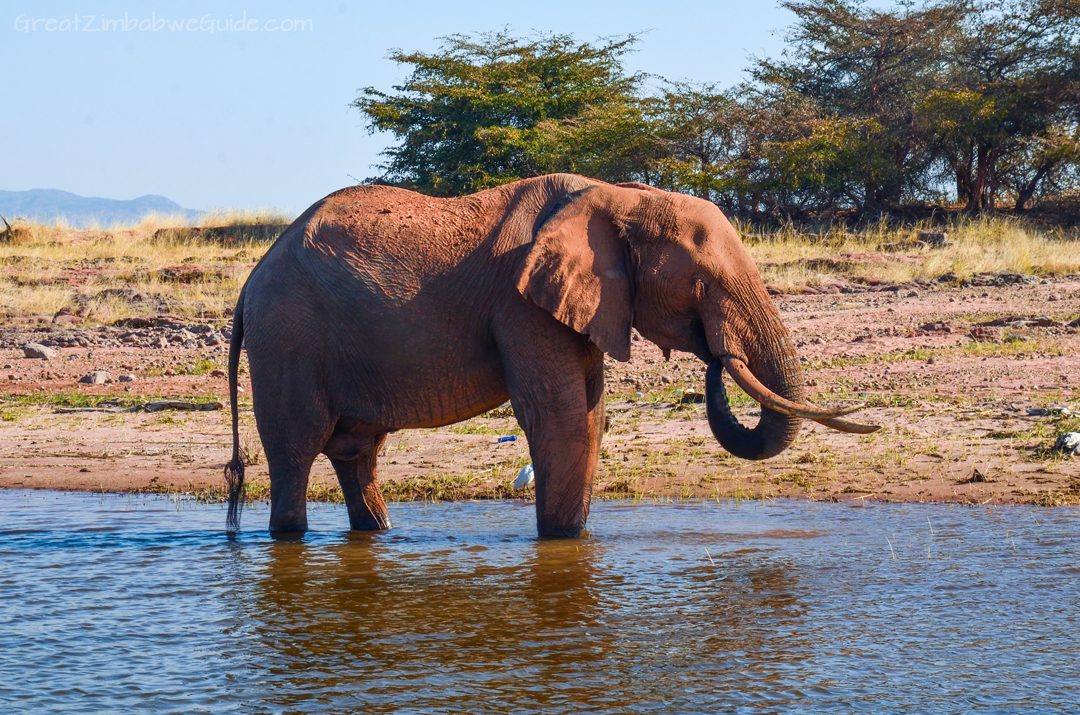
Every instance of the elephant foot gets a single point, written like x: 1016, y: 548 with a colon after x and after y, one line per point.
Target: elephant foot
x: 293, y: 535
x: 370, y: 522
x: 559, y: 532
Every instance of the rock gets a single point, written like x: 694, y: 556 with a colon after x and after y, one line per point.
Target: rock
x: 38, y: 351
x: 215, y: 339
x: 1053, y: 297
x: 934, y: 239
x: 1069, y: 443
x: 218, y: 373
x: 67, y: 319
x: 1016, y: 321
x: 137, y: 322
x: 1052, y: 412
x: 692, y: 397
x: 665, y: 379
x: 984, y: 333
x: 97, y: 377
x: 127, y: 377
x: 185, y: 334
x: 938, y: 327
x: 160, y: 343
x: 912, y: 294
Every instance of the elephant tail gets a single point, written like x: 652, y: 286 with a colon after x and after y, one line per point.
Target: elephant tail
x: 234, y: 470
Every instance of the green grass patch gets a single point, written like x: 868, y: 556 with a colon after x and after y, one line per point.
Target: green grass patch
x: 79, y: 399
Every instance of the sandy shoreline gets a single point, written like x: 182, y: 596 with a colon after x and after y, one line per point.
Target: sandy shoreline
x: 955, y: 410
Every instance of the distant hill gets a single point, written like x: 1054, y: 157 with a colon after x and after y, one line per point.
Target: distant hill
x: 46, y: 205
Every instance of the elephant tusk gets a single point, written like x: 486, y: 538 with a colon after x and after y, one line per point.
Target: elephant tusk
x: 767, y: 398
x: 845, y: 426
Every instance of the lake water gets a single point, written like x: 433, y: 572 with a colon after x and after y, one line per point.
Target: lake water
x: 124, y: 604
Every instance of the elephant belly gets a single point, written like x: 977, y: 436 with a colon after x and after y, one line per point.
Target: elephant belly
x: 409, y: 396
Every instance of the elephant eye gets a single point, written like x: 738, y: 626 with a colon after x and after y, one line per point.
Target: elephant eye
x: 701, y: 286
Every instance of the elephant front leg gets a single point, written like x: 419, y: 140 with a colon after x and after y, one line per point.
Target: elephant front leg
x: 359, y: 483
x: 561, y: 410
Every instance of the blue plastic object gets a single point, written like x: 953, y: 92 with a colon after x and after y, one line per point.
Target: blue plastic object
x: 511, y: 438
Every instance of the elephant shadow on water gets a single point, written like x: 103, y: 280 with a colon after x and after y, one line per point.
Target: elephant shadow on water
x: 442, y: 624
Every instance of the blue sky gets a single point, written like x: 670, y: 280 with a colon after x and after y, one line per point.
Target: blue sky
x: 261, y: 117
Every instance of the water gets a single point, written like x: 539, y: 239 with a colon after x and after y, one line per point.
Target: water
x: 120, y: 604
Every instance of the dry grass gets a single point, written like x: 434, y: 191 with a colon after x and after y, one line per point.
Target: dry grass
x: 45, y: 268
x: 789, y: 256
x: 48, y: 267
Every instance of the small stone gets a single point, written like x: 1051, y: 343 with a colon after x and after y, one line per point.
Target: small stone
x: 170, y: 372
x: 185, y: 335
x: 665, y: 379
x: 692, y: 397
x: 38, y: 351
x: 218, y: 373
x: 1053, y: 297
x: 215, y: 339
x: 8, y: 366
x: 1069, y: 443
x: 97, y: 377
x: 912, y: 294
x: 930, y: 361
x: 127, y: 377
x: 67, y: 319
x: 160, y: 343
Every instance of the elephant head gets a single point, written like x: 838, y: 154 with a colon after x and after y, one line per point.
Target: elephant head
x: 607, y: 258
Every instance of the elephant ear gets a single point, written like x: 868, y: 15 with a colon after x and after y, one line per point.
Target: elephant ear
x: 579, y: 271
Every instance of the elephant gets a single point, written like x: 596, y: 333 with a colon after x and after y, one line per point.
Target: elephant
x: 381, y: 309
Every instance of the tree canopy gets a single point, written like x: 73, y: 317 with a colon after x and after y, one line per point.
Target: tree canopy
x: 974, y: 102
x: 495, y: 108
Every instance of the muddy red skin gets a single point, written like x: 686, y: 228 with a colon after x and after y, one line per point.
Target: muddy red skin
x: 381, y: 309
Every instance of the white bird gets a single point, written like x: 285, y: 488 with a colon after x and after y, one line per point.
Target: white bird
x: 524, y: 477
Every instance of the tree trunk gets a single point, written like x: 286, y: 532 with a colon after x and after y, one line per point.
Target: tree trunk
x: 1028, y: 190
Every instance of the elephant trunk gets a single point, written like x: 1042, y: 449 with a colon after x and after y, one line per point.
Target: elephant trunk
x: 777, y: 368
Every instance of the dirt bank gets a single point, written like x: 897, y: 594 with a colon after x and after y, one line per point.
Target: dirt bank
x: 955, y: 409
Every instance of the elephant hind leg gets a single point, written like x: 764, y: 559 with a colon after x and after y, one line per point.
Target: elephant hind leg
x: 354, y: 458
x: 288, y: 492
x: 290, y: 451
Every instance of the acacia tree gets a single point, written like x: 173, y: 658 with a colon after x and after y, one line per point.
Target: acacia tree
x: 705, y: 137
x: 1004, y: 116
x: 866, y: 71
x: 492, y: 108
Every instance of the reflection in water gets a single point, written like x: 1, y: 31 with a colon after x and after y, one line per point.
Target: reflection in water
x: 438, y: 622
x: 428, y: 623
x: 137, y: 605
